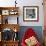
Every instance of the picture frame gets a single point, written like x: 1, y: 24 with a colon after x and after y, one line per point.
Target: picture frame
x: 13, y: 12
x: 5, y: 12
x: 31, y: 13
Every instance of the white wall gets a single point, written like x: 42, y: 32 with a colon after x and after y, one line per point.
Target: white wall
x: 22, y: 3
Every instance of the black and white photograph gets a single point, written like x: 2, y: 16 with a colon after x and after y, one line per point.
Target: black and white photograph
x: 30, y: 13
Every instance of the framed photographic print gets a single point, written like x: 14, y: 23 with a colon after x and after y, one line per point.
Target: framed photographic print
x: 13, y: 12
x: 5, y: 12
x: 31, y: 13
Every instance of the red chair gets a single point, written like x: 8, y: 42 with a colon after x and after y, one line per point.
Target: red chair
x: 29, y: 33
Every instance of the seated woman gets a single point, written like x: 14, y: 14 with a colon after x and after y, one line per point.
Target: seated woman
x: 30, y: 38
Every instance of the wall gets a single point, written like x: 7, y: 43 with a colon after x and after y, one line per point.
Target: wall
x: 22, y: 3
x: 32, y: 3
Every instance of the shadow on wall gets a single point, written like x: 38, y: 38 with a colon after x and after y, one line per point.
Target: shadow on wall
x: 37, y: 29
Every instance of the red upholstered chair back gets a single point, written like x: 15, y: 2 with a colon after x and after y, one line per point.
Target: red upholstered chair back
x: 29, y: 33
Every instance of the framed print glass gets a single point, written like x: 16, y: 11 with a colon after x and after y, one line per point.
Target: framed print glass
x: 5, y: 12
x: 30, y: 13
